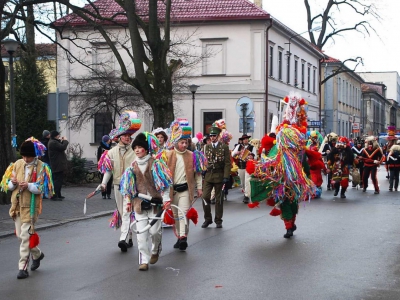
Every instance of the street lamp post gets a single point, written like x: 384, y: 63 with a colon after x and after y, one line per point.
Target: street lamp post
x: 290, y: 39
x: 193, y: 88
x: 11, y: 46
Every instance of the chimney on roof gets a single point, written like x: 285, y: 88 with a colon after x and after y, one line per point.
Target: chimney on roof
x: 258, y: 3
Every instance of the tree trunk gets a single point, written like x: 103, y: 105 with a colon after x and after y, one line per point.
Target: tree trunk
x: 163, y: 110
x: 5, y: 134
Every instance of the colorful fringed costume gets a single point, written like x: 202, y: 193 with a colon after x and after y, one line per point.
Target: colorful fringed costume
x: 151, y: 178
x: 112, y: 164
x: 340, y: 160
x: 28, y: 179
x: 186, y: 168
x: 282, y: 176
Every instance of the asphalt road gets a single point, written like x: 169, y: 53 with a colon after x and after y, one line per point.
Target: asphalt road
x: 342, y: 249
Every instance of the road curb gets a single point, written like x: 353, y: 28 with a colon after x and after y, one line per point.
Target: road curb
x: 4, y: 234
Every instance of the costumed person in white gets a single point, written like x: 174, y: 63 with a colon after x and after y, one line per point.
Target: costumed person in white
x: 186, y: 168
x: 113, y: 163
x: 28, y: 178
x: 144, y: 177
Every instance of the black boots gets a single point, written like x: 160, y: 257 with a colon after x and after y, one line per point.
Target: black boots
x: 36, y: 262
x: 176, y: 245
x: 181, y: 244
x: 288, y: 234
x: 22, y: 274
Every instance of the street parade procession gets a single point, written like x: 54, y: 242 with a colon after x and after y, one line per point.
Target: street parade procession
x: 158, y: 176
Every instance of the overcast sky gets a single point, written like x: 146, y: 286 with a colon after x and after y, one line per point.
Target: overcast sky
x: 380, y: 50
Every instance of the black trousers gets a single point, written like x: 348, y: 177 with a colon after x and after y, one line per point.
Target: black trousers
x: 394, y: 177
x: 367, y: 172
x: 57, y: 181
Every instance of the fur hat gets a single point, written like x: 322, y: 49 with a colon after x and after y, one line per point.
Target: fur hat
x: 27, y: 149
x: 141, y: 141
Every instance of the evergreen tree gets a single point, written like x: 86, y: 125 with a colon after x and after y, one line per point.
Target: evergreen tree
x: 31, y: 91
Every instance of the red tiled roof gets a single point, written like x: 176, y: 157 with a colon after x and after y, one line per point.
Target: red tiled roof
x: 371, y: 87
x: 329, y: 59
x: 181, y: 11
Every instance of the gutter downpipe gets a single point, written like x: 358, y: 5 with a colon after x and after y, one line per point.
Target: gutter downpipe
x: 266, y: 77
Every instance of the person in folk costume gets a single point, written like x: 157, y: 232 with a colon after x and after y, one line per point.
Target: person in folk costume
x: 327, y: 145
x: 357, y: 150
x: 150, y: 177
x: 240, y: 154
x: 113, y: 164
x: 391, y: 140
x: 393, y: 161
x: 283, y: 167
x: 28, y: 178
x: 372, y: 156
x: 218, y: 173
x: 162, y: 137
x: 186, y: 168
x: 315, y: 160
x: 340, y: 160
x: 105, y: 145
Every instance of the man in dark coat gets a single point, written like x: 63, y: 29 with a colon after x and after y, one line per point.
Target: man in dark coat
x: 45, y: 141
x: 218, y: 172
x: 58, y: 161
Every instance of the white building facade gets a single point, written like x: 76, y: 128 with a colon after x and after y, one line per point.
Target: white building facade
x: 251, y: 57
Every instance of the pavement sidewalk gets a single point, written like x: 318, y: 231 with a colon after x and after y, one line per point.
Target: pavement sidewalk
x: 56, y: 213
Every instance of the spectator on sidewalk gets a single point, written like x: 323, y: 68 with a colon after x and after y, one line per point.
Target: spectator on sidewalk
x: 45, y: 141
x: 58, y: 161
x: 105, y: 145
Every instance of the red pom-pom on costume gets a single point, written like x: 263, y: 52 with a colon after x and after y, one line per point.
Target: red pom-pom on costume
x: 275, y: 212
x: 250, y: 166
x: 286, y: 99
x: 34, y: 240
x: 271, y: 202
x: 169, y: 217
x: 192, y: 215
x: 302, y: 101
x: 267, y: 143
x: 254, y: 205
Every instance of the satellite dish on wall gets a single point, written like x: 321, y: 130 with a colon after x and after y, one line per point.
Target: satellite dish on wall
x: 249, y: 106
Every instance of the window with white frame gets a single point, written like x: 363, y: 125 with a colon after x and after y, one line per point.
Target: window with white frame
x: 280, y: 55
x: 288, y: 70
x: 214, y: 49
x: 271, y: 61
x: 309, y: 77
x: 303, y: 67
x: 103, y: 58
x: 296, y: 71
x: 314, y: 79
